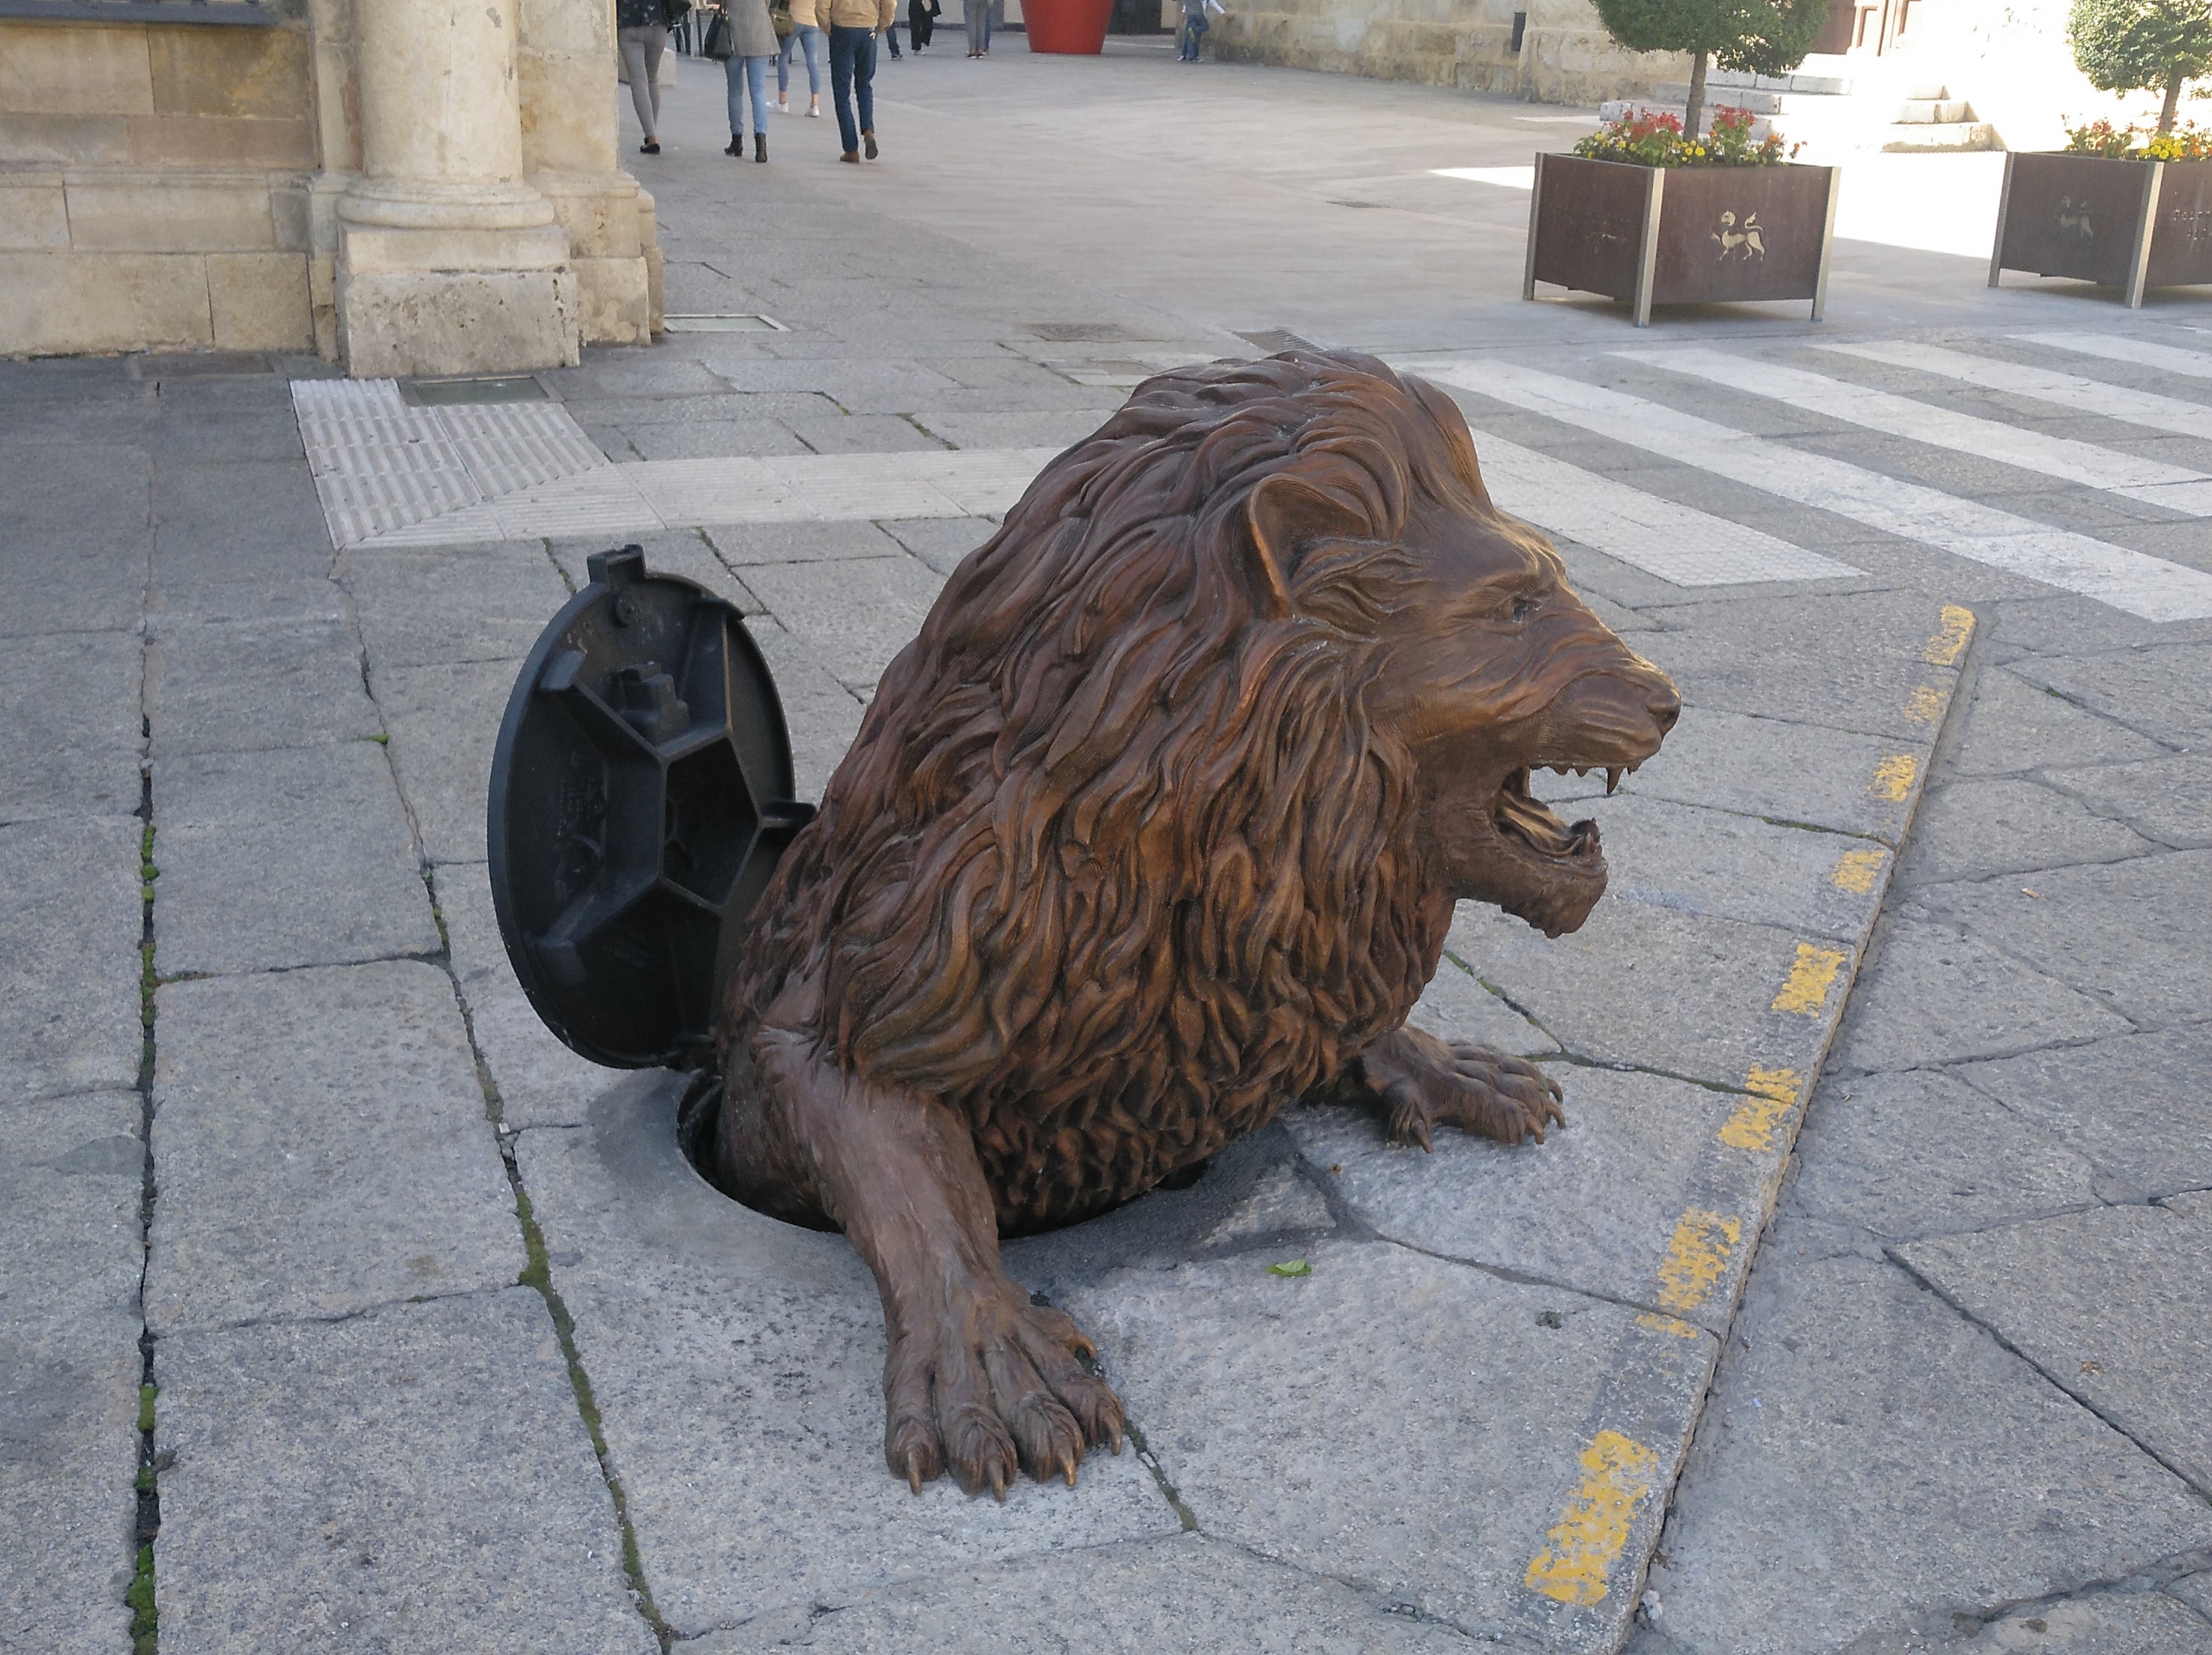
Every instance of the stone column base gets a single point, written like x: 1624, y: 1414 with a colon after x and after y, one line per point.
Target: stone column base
x: 437, y: 301
x: 608, y: 220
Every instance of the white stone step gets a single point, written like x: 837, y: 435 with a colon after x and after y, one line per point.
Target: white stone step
x: 1915, y: 111
x: 1909, y: 138
x: 1677, y: 92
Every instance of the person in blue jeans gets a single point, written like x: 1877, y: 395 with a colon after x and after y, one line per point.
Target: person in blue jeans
x: 752, y: 43
x: 1195, y: 25
x: 808, y: 38
x: 854, y: 25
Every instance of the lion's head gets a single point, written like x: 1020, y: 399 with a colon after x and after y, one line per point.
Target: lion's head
x: 1162, y: 814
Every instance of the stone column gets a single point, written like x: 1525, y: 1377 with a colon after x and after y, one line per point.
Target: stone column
x: 569, y: 139
x: 449, y: 262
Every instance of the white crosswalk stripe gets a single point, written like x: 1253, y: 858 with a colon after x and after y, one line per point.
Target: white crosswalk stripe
x: 1676, y: 543
x: 2151, y: 481
x: 2130, y: 580
x: 2122, y: 402
x: 2119, y: 348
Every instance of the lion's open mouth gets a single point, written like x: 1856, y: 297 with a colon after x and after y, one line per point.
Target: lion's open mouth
x: 1520, y: 817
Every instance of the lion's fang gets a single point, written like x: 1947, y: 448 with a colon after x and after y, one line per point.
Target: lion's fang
x: 1613, y: 775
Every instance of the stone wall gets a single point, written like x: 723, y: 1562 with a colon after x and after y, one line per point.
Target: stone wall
x: 178, y: 186
x: 154, y: 187
x: 1564, y: 54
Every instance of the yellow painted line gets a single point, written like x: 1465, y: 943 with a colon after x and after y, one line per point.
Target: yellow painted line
x: 1652, y: 1322
x: 1812, y: 974
x: 1894, y: 776
x: 1773, y: 1094
x: 1924, y: 706
x: 1618, y: 1473
x: 1697, y: 1257
x: 1857, y: 870
x: 1950, y: 639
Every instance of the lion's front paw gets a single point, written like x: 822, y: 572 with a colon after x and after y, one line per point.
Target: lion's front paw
x: 1422, y: 1081
x: 994, y: 1384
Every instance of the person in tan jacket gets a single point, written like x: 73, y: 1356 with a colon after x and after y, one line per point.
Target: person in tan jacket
x: 853, y: 26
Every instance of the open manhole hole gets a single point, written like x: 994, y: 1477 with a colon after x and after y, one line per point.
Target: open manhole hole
x: 458, y: 393
x: 722, y: 324
x: 1087, y: 333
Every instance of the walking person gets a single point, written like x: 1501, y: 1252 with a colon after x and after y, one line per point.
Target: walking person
x: 808, y: 39
x: 854, y: 25
x: 753, y: 44
x: 1195, y: 25
x: 977, y: 14
x: 921, y: 22
x: 641, y: 36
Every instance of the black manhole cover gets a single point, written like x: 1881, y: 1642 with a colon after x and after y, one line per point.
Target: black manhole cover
x: 641, y: 792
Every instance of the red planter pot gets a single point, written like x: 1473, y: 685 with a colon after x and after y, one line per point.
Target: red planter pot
x: 1076, y: 27
x: 1680, y: 235
x: 2132, y: 225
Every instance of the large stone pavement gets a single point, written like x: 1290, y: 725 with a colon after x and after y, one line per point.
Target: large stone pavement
x: 344, y: 1308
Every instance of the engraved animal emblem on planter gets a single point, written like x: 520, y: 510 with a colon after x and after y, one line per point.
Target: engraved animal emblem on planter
x: 2074, y: 221
x: 1749, y: 243
x: 1157, y: 826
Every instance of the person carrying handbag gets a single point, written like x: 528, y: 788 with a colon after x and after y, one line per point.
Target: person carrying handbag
x: 743, y: 37
x: 794, y: 27
x: 921, y: 22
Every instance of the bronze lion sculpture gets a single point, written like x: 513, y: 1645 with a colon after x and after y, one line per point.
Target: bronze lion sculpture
x: 1155, y: 827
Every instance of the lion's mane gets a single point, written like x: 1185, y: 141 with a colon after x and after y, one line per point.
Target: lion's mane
x: 1117, y: 865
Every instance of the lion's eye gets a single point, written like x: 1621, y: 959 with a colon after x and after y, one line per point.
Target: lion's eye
x: 1523, y: 608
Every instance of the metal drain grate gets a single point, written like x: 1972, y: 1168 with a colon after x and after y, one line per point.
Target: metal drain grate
x: 1272, y: 340
x: 1087, y: 333
x: 455, y: 393
x: 722, y: 324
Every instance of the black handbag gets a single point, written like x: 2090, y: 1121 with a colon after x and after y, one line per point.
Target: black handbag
x: 671, y: 12
x: 720, y: 42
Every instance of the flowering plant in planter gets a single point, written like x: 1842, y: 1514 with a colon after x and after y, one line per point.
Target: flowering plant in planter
x: 1656, y: 139
x: 2102, y: 139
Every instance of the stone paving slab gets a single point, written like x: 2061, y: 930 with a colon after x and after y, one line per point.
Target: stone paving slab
x: 852, y: 615
x: 1920, y: 1153
x: 1457, y: 1008
x: 2169, y: 800
x: 2092, y: 928
x: 2135, y: 1104
x: 69, y: 964
x: 1840, y: 780
x: 412, y: 1479
x: 1410, y: 1461
x: 71, y: 1252
x: 306, y: 687
x: 540, y: 1081
x: 2110, y: 1305
x: 70, y: 744
x: 1930, y: 994
x: 2152, y: 690
x: 1870, y: 1459
x: 444, y: 722
x: 737, y: 1363
x: 2001, y: 825
x: 300, y: 856
x: 2014, y: 726
x: 321, y: 1146
x: 1187, y: 1594
x: 1595, y: 1208
x: 1651, y: 987
x: 2100, y: 1623
x: 472, y: 604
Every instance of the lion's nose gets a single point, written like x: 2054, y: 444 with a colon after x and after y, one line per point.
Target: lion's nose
x: 1665, y: 705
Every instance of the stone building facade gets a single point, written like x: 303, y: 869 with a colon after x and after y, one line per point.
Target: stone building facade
x: 407, y: 186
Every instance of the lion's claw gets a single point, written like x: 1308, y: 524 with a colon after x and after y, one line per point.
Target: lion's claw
x: 994, y: 1391
x: 1420, y: 1081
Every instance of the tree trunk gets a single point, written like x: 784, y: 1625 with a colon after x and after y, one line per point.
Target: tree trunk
x: 2173, y: 97
x: 1696, y: 109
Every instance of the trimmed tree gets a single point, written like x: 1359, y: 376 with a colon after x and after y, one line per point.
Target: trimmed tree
x: 2127, y: 46
x: 1750, y: 36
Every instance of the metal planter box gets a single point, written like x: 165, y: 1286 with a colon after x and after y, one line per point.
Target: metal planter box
x: 2126, y: 223
x: 1682, y: 235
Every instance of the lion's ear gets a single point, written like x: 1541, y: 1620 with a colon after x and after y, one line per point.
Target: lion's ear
x: 1286, y: 515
